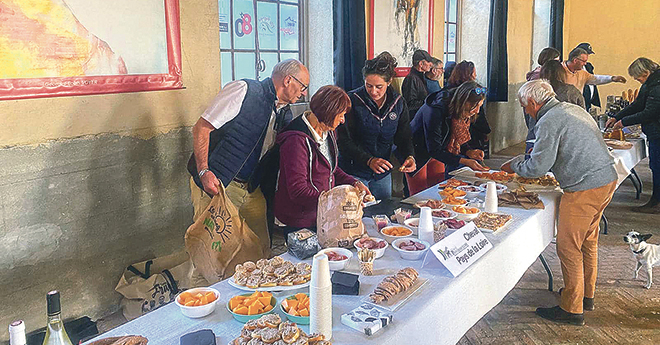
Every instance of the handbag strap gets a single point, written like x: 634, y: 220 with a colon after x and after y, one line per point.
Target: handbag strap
x: 147, y: 270
x: 171, y: 282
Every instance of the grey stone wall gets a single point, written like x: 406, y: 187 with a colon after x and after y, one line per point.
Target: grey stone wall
x: 74, y: 213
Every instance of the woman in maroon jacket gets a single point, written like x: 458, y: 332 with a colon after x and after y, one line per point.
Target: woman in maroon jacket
x: 308, y: 159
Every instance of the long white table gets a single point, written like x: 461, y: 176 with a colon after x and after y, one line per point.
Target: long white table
x: 439, y: 313
x: 625, y: 162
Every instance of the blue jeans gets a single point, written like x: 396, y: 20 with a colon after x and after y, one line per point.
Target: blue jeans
x: 654, y: 164
x: 380, y: 189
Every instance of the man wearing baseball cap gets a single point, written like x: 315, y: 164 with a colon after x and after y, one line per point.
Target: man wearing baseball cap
x: 590, y: 92
x: 576, y: 74
x: 413, y: 87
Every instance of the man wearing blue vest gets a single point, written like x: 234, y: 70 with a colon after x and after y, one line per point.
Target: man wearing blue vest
x: 235, y: 132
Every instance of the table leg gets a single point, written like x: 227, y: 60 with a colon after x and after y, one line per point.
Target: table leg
x: 639, y: 182
x: 547, y: 269
x: 634, y: 183
x: 605, y: 224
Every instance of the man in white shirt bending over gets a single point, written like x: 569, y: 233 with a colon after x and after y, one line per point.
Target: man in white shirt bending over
x: 234, y: 133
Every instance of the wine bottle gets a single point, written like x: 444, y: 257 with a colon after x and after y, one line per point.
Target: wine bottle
x: 55, y: 333
x: 17, y: 333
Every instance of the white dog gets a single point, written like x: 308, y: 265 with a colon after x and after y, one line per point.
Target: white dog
x: 646, y: 254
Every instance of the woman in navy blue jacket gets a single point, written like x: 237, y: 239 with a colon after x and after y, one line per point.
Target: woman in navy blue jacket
x: 377, y: 121
x: 441, y: 128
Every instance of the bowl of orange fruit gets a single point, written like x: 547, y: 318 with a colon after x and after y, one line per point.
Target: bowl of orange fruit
x: 197, y: 302
x: 296, y: 308
x: 251, y: 306
x: 466, y: 213
x: 454, y: 201
x: 391, y: 233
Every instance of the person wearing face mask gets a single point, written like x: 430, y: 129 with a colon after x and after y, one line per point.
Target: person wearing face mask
x: 413, y: 87
x: 235, y: 132
x: 645, y: 110
x: 309, y: 159
x: 377, y: 120
x: 577, y: 76
x: 441, y: 130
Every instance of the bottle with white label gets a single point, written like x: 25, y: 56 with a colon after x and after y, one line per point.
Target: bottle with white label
x: 17, y: 333
x: 55, y: 333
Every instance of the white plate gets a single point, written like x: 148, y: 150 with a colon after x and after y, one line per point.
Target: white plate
x: 231, y: 282
x: 371, y: 203
x: 495, y: 231
x: 398, y: 300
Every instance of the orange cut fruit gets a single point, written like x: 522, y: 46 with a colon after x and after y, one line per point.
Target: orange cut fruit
x: 304, y: 312
x: 254, y: 309
x: 242, y: 310
x: 268, y: 308
x: 264, y: 300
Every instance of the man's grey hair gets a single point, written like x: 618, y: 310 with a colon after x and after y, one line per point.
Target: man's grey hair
x: 287, y: 67
x: 575, y: 53
x: 642, y: 65
x: 538, y: 90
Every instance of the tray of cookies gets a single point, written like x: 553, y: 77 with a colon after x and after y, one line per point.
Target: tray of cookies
x: 393, y: 291
x: 270, y: 329
x: 274, y: 274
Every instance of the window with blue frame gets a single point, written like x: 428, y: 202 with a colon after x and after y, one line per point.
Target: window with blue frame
x: 451, y: 30
x: 257, y: 34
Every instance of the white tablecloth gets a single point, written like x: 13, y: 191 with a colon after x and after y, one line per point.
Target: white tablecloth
x: 440, y: 313
x: 625, y: 160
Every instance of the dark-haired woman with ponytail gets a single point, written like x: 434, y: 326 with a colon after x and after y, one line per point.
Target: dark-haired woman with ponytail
x: 378, y: 119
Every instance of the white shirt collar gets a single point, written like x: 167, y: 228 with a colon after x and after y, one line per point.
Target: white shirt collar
x: 319, y: 139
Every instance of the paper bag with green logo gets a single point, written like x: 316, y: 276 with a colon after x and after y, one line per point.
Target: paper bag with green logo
x: 220, y: 239
x: 339, y: 217
x: 151, y: 284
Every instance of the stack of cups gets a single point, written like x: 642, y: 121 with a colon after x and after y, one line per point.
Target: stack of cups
x: 320, y: 297
x: 491, y: 197
x: 425, y: 227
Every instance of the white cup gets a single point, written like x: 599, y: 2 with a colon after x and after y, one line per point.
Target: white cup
x: 491, y: 197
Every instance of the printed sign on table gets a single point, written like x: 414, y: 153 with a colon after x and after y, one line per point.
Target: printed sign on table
x: 459, y: 250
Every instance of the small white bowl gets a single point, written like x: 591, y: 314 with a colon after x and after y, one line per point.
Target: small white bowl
x: 379, y: 252
x: 389, y: 238
x: 341, y: 264
x: 472, y: 191
x: 445, y: 196
x: 452, y: 214
x: 411, y: 255
x: 500, y: 187
x: 466, y: 216
x: 202, y: 310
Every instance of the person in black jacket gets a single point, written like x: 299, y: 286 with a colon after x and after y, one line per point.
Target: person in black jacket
x: 645, y: 110
x: 413, y: 87
x: 480, y: 128
x: 378, y: 119
x: 441, y: 127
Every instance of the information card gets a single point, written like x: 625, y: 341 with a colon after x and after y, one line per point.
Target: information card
x: 460, y: 249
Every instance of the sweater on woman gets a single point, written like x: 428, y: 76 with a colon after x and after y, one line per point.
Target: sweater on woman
x: 304, y: 173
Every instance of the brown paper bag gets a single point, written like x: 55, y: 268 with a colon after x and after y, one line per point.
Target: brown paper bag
x: 150, y: 284
x: 220, y: 239
x: 339, y: 217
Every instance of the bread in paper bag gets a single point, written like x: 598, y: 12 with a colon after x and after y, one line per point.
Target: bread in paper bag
x: 339, y: 217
